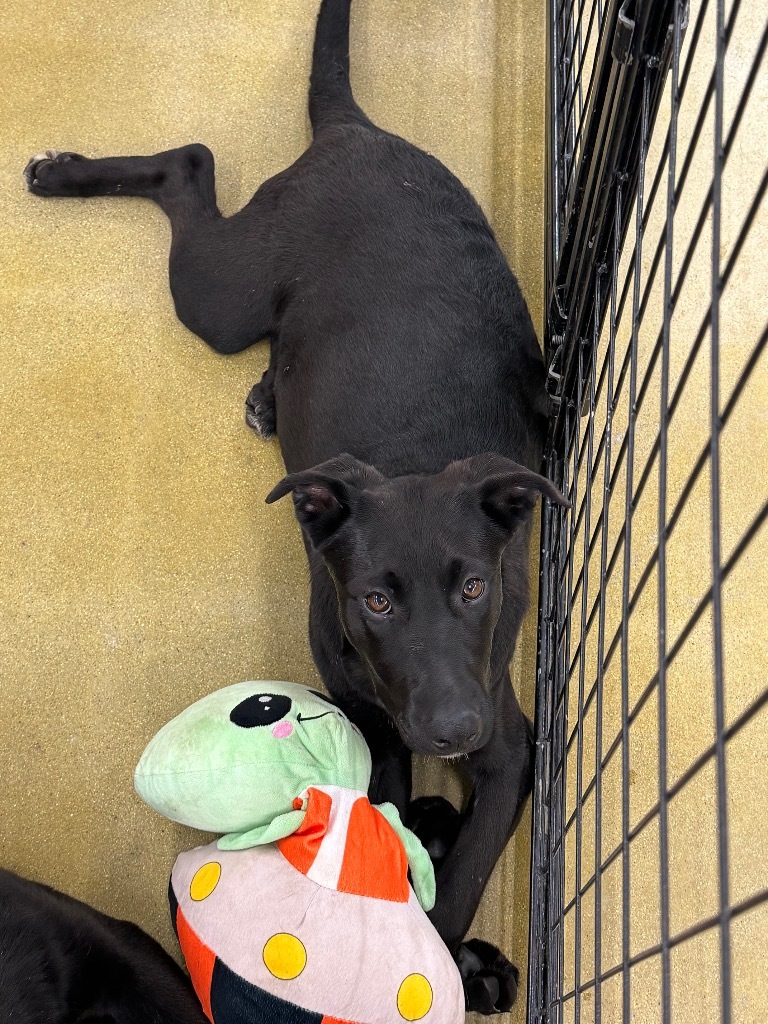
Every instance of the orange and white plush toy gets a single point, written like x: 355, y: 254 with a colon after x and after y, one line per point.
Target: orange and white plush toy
x: 302, y: 913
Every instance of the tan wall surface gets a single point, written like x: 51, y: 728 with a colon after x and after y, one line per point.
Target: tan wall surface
x: 140, y: 567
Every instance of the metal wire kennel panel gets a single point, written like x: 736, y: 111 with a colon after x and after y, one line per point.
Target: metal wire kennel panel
x: 649, y: 873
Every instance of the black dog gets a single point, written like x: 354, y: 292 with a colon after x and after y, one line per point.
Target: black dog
x: 398, y: 335
x: 62, y: 962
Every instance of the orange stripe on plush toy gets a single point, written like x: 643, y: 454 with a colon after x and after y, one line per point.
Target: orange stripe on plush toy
x: 199, y: 960
x: 334, y: 1020
x: 302, y: 846
x: 374, y: 862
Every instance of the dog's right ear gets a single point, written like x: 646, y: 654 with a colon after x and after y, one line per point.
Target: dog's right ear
x: 324, y: 496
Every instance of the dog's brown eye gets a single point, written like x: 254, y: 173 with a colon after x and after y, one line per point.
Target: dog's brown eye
x: 473, y: 588
x: 378, y: 603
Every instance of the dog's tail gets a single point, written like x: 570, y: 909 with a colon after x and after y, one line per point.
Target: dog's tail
x: 330, y: 93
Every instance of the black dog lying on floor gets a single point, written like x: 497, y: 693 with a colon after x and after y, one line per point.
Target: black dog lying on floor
x: 407, y: 388
x: 62, y: 962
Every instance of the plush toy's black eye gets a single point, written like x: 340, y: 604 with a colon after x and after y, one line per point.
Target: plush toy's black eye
x: 260, y: 709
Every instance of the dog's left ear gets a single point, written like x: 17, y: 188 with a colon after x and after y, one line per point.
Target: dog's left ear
x: 508, y: 492
x: 324, y: 496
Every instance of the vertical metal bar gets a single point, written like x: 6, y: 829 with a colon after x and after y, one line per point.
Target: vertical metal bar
x: 571, y: 110
x: 590, y: 350
x: 666, y: 996
x: 625, y: 866
x: 579, y: 47
x: 569, y: 142
x: 568, y: 633
x: 562, y: 727
x: 717, y: 612
x: 579, y: 726
x: 554, y: 134
x: 601, y: 613
x: 554, y: 933
x: 572, y: 424
x: 541, y: 974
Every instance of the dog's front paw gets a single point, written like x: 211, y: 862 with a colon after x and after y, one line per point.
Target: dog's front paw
x: 44, y: 173
x: 260, y: 412
x: 490, y: 980
x: 436, y: 822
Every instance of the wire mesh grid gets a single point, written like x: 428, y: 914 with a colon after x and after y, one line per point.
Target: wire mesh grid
x: 649, y: 879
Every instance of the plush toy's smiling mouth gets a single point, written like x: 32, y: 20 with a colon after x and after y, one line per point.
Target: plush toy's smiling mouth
x: 311, y: 718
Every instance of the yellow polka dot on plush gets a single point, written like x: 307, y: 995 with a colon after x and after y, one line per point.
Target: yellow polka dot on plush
x: 414, y: 997
x: 285, y: 956
x: 205, y: 881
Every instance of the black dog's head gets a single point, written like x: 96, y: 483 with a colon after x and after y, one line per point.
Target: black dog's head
x: 417, y: 564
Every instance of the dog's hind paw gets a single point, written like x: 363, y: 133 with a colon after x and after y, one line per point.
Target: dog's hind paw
x: 490, y: 980
x: 42, y: 173
x: 260, y: 411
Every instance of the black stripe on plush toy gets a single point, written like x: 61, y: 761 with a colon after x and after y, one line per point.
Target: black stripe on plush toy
x: 236, y: 1001
x: 173, y: 904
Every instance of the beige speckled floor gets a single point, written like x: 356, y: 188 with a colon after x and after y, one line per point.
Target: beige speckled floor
x: 140, y: 566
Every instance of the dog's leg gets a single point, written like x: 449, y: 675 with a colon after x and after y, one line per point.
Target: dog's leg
x: 436, y: 822
x: 502, y: 774
x: 230, y: 310
x: 391, y: 775
x: 181, y: 180
x: 260, y: 409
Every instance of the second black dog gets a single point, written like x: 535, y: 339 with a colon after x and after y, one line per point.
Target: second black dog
x: 62, y: 962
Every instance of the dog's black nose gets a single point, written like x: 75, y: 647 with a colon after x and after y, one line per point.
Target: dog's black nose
x: 456, y: 734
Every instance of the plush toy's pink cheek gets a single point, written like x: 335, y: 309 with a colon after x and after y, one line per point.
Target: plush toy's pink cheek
x: 281, y: 730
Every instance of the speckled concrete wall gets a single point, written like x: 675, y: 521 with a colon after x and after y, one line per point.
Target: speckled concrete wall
x: 140, y: 567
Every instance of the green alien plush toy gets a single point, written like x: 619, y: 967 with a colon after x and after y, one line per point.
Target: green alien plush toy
x: 302, y: 912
